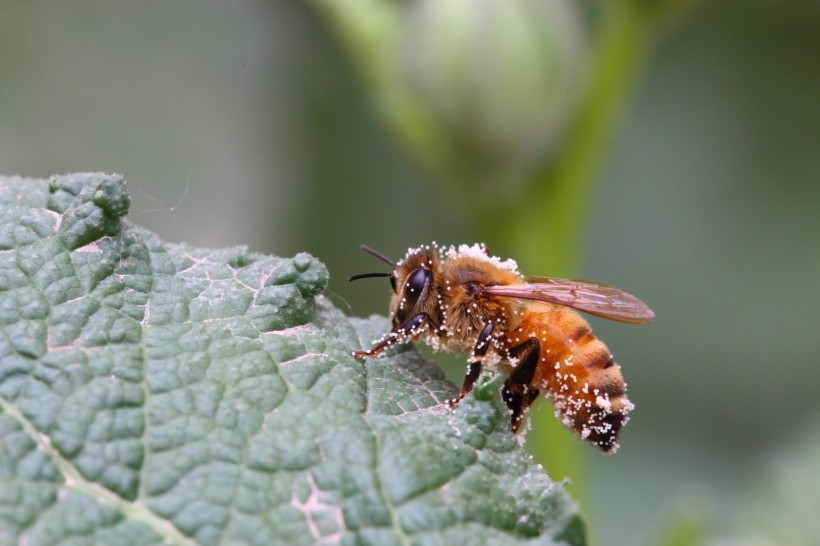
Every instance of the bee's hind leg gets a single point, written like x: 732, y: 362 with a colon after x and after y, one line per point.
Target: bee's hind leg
x: 518, y: 393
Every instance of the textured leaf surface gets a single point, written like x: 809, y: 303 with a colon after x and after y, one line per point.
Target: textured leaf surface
x: 155, y: 393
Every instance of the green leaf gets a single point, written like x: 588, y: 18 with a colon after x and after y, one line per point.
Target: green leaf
x: 156, y: 393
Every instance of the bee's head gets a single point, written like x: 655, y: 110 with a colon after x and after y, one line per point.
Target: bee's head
x: 412, y: 280
x: 414, y: 290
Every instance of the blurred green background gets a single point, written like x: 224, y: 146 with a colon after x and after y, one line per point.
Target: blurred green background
x: 246, y: 123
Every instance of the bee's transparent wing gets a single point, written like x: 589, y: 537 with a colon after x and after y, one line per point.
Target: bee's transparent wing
x: 592, y: 297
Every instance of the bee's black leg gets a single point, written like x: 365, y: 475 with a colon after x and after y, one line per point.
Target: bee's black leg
x: 399, y: 334
x: 482, y: 343
x: 518, y: 392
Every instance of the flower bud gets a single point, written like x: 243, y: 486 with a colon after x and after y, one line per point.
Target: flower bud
x: 502, y: 77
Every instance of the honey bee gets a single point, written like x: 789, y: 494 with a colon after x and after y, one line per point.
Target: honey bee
x: 462, y: 299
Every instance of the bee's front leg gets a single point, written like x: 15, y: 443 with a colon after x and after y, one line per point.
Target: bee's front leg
x: 399, y: 334
x: 482, y: 343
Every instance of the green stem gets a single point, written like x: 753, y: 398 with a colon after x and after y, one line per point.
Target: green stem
x: 556, y: 207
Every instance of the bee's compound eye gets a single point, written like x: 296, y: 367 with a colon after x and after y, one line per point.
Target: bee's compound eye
x: 418, y: 279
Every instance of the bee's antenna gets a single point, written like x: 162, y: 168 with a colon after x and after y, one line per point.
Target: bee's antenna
x: 368, y: 276
x: 377, y: 254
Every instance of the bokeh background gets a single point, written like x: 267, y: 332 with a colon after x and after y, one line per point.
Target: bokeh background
x: 247, y: 124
